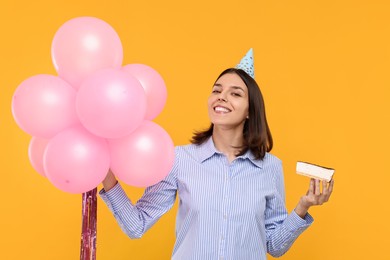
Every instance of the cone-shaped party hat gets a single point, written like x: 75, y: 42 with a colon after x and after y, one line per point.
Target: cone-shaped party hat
x: 246, y: 64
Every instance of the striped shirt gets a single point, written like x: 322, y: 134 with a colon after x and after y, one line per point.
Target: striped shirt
x: 232, y: 211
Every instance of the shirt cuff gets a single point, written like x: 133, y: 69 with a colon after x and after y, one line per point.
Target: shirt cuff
x: 115, y: 198
x: 296, y: 223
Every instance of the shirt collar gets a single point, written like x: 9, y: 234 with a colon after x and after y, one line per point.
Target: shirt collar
x: 208, y: 149
x: 249, y: 155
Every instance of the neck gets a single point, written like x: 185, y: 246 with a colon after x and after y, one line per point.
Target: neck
x: 228, y: 141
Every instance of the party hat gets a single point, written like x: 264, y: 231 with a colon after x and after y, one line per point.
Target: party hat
x: 246, y: 64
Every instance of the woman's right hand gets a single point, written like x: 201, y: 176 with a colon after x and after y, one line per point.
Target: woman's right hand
x: 110, y: 181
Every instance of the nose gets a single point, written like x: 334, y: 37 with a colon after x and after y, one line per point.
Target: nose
x: 222, y: 97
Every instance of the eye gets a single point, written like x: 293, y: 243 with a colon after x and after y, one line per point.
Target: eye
x: 236, y: 94
x: 216, y: 91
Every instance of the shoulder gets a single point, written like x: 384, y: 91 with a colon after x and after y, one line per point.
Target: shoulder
x: 194, y: 152
x: 271, y: 160
x: 187, y: 150
x: 273, y: 165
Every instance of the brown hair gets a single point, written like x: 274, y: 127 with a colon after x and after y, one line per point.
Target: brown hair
x: 257, y: 135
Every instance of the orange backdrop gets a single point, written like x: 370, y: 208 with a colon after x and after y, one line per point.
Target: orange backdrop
x: 323, y: 67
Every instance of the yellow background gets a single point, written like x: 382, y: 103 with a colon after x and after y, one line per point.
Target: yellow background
x: 323, y: 67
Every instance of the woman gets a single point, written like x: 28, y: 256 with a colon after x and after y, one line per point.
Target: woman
x: 231, y: 189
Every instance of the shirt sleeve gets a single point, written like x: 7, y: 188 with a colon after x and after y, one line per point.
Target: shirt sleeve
x: 282, y: 229
x: 136, y: 219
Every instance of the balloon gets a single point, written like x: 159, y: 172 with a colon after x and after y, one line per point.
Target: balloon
x: 36, y: 150
x: 43, y: 105
x: 144, y: 157
x: 111, y: 103
x: 76, y: 161
x: 153, y: 85
x: 83, y: 45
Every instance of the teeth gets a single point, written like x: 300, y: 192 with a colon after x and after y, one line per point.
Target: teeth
x: 221, y: 109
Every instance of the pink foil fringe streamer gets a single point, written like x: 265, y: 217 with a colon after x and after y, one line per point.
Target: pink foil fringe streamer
x: 88, y: 233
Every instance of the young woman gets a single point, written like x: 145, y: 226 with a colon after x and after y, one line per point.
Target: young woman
x: 231, y: 189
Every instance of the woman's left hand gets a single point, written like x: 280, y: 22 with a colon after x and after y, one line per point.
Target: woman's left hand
x: 314, y: 196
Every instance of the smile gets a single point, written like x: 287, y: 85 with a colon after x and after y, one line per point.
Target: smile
x: 221, y: 109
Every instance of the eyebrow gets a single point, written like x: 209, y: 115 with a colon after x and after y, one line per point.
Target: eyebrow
x: 234, y: 87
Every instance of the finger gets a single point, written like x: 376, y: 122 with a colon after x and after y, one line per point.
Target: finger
x: 317, y: 188
x: 311, y: 186
x: 324, y: 197
x: 327, y: 191
x: 324, y: 187
x: 330, y: 188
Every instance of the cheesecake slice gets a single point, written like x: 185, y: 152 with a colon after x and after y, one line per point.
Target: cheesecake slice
x: 314, y: 171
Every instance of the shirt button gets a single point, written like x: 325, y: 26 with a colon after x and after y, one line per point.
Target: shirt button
x: 225, y: 216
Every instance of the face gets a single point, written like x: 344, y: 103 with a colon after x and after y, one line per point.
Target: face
x: 228, y: 103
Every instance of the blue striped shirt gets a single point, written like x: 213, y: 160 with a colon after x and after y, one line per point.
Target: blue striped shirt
x: 230, y: 211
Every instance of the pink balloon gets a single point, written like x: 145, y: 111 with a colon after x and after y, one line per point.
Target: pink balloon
x: 76, y: 161
x: 144, y: 157
x: 154, y: 86
x: 36, y: 150
x: 44, y: 105
x: 111, y: 103
x: 83, y: 45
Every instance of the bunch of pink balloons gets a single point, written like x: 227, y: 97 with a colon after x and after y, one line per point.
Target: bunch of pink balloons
x: 96, y: 114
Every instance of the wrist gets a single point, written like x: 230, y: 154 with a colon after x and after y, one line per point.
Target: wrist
x: 301, y: 209
x: 109, y: 182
